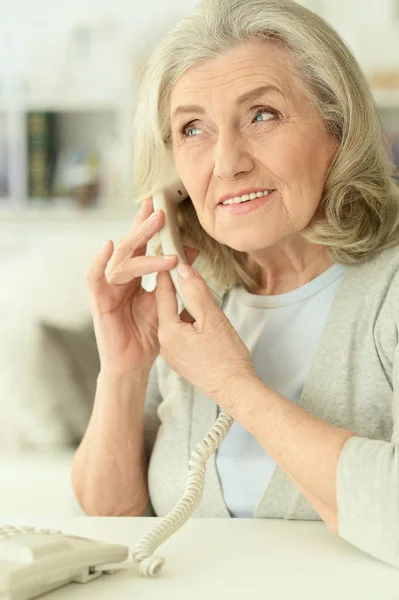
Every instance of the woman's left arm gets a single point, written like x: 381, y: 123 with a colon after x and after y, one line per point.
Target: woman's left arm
x: 305, y: 447
x: 351, y: 481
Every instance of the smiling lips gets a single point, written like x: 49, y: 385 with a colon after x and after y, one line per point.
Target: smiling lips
x: 246, y: 197
x: 239, y: 206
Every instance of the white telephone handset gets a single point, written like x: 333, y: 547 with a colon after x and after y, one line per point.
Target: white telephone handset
x: 171, y: 242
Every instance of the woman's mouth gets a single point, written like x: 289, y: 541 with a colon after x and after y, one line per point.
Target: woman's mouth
x: 246, y: 206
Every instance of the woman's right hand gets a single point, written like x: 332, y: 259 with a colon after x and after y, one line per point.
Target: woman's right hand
x: 124, y: 314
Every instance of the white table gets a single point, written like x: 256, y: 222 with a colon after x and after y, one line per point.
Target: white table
x: 230, y: 559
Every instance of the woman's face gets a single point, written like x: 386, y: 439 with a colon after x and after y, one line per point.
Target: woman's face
x: 272, y: 140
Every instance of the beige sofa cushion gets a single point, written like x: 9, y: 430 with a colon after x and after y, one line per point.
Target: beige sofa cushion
x: 68, y: 363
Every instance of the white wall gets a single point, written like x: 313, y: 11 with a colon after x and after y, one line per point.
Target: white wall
x: 38, y: 31
x: 370, y: 27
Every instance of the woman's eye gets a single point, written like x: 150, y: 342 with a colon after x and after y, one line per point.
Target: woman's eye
x: 264, y: 111
x: 184, y: 131
x: 192, y: 129
x: 186, y: 128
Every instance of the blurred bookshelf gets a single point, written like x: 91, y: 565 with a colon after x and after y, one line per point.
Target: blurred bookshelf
x: 60, y: 158
x: 57, y: 155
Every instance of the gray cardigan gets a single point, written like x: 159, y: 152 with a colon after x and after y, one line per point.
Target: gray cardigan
x: 353, y: 383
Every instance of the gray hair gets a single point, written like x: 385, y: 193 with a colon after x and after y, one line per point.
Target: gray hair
x: 358, y: 214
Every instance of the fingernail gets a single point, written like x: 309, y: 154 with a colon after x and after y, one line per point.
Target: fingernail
x: 184, y: 271
x: 154, y: 214
x: 104, y: 246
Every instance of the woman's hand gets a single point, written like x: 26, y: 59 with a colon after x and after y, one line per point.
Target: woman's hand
x: 125, y: 314
x: 207, y: 351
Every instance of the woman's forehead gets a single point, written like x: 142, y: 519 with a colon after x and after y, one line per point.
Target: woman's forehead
x: 236, y: 71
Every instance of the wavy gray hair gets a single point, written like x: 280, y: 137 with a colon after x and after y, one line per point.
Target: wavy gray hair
x: 358, y: 214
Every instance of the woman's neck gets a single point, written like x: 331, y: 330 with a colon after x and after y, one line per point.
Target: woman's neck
x: 288, y: 268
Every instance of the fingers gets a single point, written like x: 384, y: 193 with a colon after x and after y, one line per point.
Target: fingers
x: 135, y: 243
x: 144, y: 211
x: 118, y: 266
x: 139, y: 266
x: 95, y: 275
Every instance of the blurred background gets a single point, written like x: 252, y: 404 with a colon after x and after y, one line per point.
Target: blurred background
x: 68, y: 80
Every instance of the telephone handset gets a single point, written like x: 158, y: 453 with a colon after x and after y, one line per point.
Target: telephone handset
x: 171, y: 243
x: 170, y: 237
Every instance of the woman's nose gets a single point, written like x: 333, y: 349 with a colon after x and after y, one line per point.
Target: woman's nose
x: 231, y: 156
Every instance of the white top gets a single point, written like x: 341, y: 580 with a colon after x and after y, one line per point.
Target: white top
x: 281, y: 332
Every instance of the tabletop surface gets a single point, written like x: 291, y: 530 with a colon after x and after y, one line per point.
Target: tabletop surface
x: 228, y: 558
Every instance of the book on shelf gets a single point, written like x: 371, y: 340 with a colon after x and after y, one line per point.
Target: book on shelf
x: 42, y: 154
x: 59, y: 175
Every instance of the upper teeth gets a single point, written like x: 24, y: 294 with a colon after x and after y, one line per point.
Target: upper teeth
x: 245, y: 197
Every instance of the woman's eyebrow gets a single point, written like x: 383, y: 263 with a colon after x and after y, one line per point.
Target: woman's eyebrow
x: 251, y: 95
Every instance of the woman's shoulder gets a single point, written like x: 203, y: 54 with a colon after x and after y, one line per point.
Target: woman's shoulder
x: 383, y: 266
x: 378, y: 279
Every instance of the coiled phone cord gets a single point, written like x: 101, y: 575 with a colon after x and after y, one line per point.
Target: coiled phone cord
x: 142, y: 554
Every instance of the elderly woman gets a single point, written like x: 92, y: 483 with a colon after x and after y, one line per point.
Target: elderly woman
x: 264, y: 114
